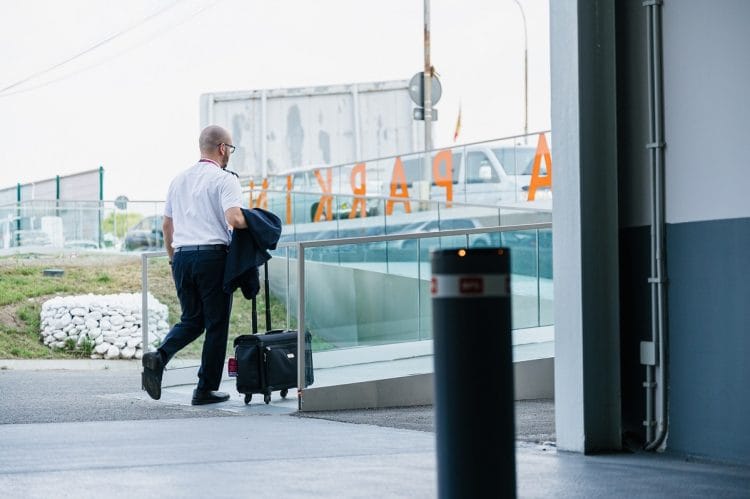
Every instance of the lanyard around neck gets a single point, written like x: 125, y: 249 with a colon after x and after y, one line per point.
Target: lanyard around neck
x: 206, y: 160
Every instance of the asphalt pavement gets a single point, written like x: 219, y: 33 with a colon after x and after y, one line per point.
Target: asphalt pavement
x: 63, y: 396
x: 93, y: 433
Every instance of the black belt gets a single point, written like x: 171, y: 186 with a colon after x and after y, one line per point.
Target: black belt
x: 203, y: 247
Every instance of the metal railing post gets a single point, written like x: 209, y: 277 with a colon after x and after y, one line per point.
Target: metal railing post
x: 300, y: 323
x: 144, y: 301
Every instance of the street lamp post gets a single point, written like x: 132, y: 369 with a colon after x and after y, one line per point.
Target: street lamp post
x: 427, y: 86
x: 525, y: 75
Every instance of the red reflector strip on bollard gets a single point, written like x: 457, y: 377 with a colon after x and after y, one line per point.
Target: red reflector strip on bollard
x: 470, y: 286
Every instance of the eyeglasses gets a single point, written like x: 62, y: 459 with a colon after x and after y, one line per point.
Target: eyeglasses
x: 230, y: 146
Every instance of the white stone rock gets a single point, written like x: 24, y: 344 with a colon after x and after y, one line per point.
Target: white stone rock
x: 127, y: 353
x: 112, y: 353
x: 68, y: 327
x: 95, y: 356
x: 139, y: 354
x: 92, y: 324
x: 110, y: 338
x: 99, y: 340
x: 102, y: 348
x: 105, y: 324
x: 116, y: 320
x: 121, y: 342
x: 59, y: 344
x: 126, y: 331
x: 78, y: 312
x: 94, y: 316
x: 65, y: 319
x: 133, y: 342
x: 60, y: 335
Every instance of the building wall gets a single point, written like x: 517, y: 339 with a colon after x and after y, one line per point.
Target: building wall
x: 707, y: 158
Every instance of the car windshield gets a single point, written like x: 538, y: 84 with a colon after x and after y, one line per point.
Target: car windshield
x: 414, y: 167
x: 518, y: 160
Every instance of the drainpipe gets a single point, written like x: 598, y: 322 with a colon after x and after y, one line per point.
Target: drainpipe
x: 654, y: 352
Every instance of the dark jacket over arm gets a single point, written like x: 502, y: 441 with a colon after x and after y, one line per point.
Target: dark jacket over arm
x: 249, y: 250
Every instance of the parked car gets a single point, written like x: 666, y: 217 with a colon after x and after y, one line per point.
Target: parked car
x: 146, y: 234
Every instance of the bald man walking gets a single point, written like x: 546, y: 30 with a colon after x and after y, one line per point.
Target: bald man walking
x: 202, y: 202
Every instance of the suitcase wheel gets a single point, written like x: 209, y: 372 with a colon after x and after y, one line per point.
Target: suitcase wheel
x: 248, y: 398
x: 267, y: 398
x: 284, y: 393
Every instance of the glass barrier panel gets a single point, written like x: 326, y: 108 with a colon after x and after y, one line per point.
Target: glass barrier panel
x: 546, y: 294
x: 358, y: 309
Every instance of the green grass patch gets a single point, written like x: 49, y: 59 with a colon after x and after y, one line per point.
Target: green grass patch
x: 23, y: 289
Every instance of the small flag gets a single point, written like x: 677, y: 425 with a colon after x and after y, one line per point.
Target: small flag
x: 458, y: 124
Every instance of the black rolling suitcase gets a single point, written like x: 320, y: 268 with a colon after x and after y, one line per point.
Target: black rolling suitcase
x: 268, y: 362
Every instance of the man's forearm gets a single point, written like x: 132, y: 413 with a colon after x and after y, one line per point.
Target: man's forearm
x: 168, y: 231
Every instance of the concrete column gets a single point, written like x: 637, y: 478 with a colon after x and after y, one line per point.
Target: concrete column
x: 585, y: 225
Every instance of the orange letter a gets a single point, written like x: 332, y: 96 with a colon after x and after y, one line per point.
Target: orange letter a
x: 398, y: 180
x: 539, y: 181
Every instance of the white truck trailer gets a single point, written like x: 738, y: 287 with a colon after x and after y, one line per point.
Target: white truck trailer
x: 280, y: 129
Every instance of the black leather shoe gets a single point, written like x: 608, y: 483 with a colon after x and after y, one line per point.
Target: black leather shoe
x: 153, y: 368
x: 201, y: 397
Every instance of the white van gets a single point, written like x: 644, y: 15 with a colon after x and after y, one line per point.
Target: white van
x: 483, y: 174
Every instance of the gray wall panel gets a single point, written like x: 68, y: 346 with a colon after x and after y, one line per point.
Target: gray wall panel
x: 709, y: 325
x: 706, y: 74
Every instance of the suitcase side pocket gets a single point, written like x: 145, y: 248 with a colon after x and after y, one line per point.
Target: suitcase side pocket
x: 248, y: 368
x: 280, y: 366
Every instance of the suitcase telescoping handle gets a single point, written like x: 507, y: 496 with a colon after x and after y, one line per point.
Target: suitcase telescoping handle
x: 267, y: 300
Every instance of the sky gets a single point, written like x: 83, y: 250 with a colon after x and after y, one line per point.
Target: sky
x: 89, y: 83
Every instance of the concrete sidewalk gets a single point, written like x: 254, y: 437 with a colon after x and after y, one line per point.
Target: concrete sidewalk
x: 95, y: 434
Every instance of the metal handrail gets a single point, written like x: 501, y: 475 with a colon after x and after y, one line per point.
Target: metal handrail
x: 292, y: 171
x: 414, y: 235
x: 378, y: 197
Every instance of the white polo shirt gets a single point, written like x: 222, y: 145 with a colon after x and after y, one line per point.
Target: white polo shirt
x: 196, y: 202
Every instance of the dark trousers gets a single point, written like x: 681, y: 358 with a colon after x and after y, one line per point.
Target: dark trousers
x: 198, y: 277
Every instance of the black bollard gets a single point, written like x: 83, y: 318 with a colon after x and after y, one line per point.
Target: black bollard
x: 474, y: 413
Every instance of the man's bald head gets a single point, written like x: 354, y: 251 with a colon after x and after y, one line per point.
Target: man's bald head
x: 211, y: 137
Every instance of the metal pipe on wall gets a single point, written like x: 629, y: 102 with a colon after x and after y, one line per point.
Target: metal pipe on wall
x: 656, y: 390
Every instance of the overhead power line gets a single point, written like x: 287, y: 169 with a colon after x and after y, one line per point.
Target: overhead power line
x: 4, y: 92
